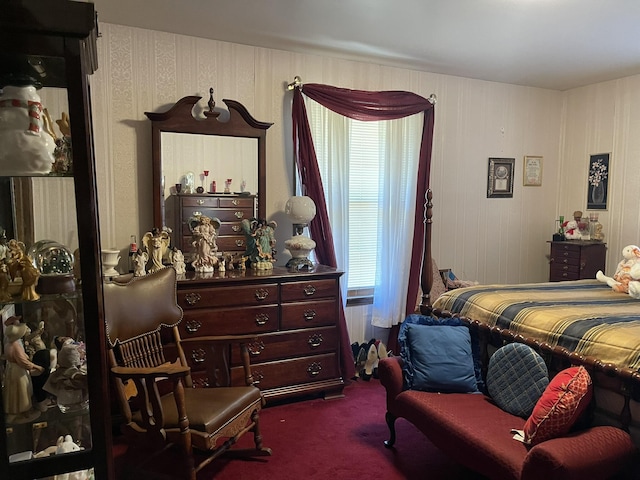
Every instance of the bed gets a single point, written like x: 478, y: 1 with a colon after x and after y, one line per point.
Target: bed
x: 583, y: 316
x: 584, y: 320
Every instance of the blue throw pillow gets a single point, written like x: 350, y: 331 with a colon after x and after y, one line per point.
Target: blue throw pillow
x: 516, y: 378
x: 407, y: 354
x: 441, y: 359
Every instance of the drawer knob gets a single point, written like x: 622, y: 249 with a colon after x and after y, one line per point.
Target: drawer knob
x: 315, y: 340
x: 314, y: 369
x: 262, y: 319
x: 193, y: 326
x: 236, y: 228
x: 235, y: 202
x: 239, y: 214
x: 309, y: 290
x: 198, y: 355
x: 261, y: 294
x: 200, y: 201
x: 239, y: 243
x: 255, y: 348
x: 195, y: 215
x: 192, y: 298
x: 309, y: 315
x: 257, y: 376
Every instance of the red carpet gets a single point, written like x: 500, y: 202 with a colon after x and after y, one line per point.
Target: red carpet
x: 337, y: 439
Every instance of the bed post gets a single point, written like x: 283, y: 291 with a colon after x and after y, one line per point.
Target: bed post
x: 426, y: 274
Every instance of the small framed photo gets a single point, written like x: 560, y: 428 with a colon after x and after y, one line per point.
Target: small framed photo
x: 532, y: 171
x: 500, y: 179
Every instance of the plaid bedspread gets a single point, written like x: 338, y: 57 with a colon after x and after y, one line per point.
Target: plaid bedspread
x: 584, y: 316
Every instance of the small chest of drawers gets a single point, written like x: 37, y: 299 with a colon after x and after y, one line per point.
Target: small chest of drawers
x: 294, y: 317
x: 230, y: 209
x: 576, y: 260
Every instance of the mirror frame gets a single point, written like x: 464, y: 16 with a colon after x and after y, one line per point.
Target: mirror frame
x: 180, y: 119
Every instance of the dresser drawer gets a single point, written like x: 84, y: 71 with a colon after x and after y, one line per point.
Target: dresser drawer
x: 229, y: 321
x: 308, y: 314
x: 296, y: 343
x: 564, y: 272
x: 224, y: 215
x: 312, y: 289
x: 195, y: 201
x: 567, y: 256
x: 230, y: 243
x: 237, y: 202
x: 225, y: 244
x: 290, y: 372
x: 230, y: 228
x: 242, y: 295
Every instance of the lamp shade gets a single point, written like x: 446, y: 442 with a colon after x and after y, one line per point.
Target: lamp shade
x: 300, y: 209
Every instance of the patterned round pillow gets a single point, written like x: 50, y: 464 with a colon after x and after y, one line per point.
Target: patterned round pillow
x: 516, y: 378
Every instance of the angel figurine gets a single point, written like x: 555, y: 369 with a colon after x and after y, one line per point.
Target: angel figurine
x: 21, y: 264
x: 204, y: 242
x: 157, y: 243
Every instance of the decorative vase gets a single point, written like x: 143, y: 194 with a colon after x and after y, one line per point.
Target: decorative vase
x: 597, y: 193
x: 27, y: 149
x: 110, y: 259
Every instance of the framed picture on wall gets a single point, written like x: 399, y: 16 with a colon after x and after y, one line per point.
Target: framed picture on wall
x: 598, y: 181
x: 500, y: 179
x: 532, y: 171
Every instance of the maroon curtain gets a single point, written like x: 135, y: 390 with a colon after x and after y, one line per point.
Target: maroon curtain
x: 364, y: 106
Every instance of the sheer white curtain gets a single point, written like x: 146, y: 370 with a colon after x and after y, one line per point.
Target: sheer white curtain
x: 369, y: 173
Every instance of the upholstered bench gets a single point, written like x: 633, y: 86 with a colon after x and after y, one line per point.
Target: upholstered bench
x: 477, y: 432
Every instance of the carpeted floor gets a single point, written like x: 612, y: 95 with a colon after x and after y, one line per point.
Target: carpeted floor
x: 342, y: 438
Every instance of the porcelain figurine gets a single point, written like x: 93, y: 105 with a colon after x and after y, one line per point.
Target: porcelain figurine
x: 27, y: 149
x: 140, y: 259
x: 17, y: 386
x: 261, y: 241
x: 157, y: 243
x: 204, y: 244
x: 177, y: 260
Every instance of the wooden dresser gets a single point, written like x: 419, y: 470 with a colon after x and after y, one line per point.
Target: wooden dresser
x: 576, y: 260
x: 294, y: 317
x: 230, y: 209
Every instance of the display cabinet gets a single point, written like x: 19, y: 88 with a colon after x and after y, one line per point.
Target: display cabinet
x: 55, y: 399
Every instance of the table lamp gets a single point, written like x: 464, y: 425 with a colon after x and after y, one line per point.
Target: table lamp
x: 301, y: 210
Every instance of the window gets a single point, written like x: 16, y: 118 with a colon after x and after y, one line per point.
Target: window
x: 368, y: 171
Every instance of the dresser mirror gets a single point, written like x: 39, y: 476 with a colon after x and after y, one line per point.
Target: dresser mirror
x: 190, y: 150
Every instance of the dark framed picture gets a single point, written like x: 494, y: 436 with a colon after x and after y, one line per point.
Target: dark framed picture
x: 598, y: 181
x: 500, y: 179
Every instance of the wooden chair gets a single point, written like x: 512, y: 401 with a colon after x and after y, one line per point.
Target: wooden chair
x: 153, y: 382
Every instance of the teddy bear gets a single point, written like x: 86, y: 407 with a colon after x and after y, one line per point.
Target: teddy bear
x: 627, y: 273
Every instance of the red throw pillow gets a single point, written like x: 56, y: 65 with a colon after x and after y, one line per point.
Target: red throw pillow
x: 560, y: 405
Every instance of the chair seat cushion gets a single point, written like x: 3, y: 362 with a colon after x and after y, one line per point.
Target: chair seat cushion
x: 209, y: 409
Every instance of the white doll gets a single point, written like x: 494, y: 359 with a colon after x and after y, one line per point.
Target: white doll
x: 177, y: 260
x: 18, y: 388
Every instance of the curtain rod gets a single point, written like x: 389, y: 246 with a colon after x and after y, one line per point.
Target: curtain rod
x: 297, y: 82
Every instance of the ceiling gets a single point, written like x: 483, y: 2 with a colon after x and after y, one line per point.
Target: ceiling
x: 555, y: 44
